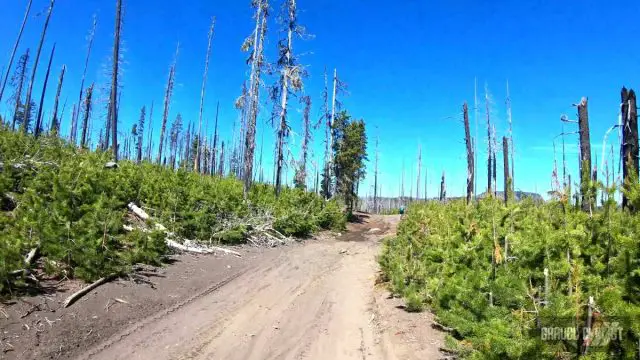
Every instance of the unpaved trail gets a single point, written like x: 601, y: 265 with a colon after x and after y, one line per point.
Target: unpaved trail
x: 314, y: 301
x: 311, y: 302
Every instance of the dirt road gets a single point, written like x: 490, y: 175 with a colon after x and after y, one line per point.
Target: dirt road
x: 314, y: 301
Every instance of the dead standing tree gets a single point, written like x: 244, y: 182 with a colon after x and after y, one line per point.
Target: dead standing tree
x: 38, y: 127
x: 15, y: 48
x: 167, y: 103
x: 113, y: 97
x: 419, y: 170
x: 489, y: 144
x: 290, y: 82
x: 256, y: 40
x: 507, y: 178
x: 470, y: 153
x: 27, y: 106
x: 196, y: 163
x: 629, y: 141
x: 443, y: 188
x: 19, y: 78
x: 140, y: 133
x: 76, y: 111
x: 55, y: 121
x: 87, y: 114
x: 585, y: 155
x: 301, y: 173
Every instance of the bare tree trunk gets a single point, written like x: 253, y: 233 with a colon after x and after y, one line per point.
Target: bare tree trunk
x: 221, y: 162
x: 585, y: 154
x: 470, y: 153
x: 375, y: 180
x: 256, y: 65
x: 15, y: 48
x: 38, y: 128
x: 512, y: 152
x: 140, y: 131
x: 490, y: 147
x: 113, y: 98
x: 87, y: 114
x: 27, y: 106
x: 167, y: 103
x: 419, y: 172
x: 507, y: 178
x: 55, y: 122
x: 73, y: 132
x: 494, y: 161
x: 150, y: 136
x: 443, y: 188
x: 301, y: 173
x: 196, y: 163
x: 629, y: 142
x: 22, y: 65
x: 92, y: 33
x: 215, y: 141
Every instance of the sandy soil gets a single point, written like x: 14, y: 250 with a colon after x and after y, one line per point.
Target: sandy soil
x: 316, y: 300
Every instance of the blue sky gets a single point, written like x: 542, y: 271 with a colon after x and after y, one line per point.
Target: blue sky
x: 409, y: 65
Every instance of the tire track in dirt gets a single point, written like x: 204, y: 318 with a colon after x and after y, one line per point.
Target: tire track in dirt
x: 316, y: 301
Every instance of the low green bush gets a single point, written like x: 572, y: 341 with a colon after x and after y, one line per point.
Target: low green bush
x: 73, y: 208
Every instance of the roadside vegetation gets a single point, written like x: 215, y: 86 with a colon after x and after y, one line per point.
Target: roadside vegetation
x: 66, y: 203
x: 498, y: 275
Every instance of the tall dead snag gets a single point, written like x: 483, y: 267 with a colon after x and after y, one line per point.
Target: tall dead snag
x: 375, y: 180
x: 221, y: 162
x: 27, y: 106
x: 255, y: 41
x: 38, y: 126
x: 290, y: 81
x: 214, y: 153
x: 326, y: 118
x: 167, y: 102
x: 113, y: 98
x: 73, y: 132
x: 507, y: 178
x: 15, y: 48
x: 443, y: 188
x: 87, y: 114
x: 629, y: 141
x: 150, y: 135
x: 301, y: 172
x: 19, y: 79
x: 55, y: 122
x: 419, y: 169
x: 512, y: 152
x: 140, y: 134
x: 470, y: 153
x: 174, y: 135
x: 76, y: 112
x: 489, y: 144
x: 585, y: 155
x: 196, y: 163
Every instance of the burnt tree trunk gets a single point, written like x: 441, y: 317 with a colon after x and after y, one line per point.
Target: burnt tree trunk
x: 215, y: 142
x: 140, y: 134
x: 629, y: 141
x: 585, y: 155
x: 55, y: 122
x: 22, y: 65
x: 87, y: 114
x: 443, y: 188
x: 507, y: 177
x: 113, y: 99
x: 470, y: 154
x: 15, y: 48
x: 221, y: 162
x: 27, y: 103
x: 198, y: 155
x: 76, y: 111
x: 167, y: 102
x: 38, y: 128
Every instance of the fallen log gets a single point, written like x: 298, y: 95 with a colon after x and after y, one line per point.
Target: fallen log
x: 187, y: 246
x: 27, y: 262
x: 80, y: 293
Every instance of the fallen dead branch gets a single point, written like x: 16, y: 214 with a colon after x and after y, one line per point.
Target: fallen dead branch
x: 27, y: 262
x: 80, y: 293
x: 186, y: 246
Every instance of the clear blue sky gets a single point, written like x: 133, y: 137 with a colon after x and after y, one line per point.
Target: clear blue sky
x: 409, y: 66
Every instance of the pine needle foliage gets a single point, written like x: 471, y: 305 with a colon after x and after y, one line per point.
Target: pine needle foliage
x: 65, y: 201
x: 480, y: 268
